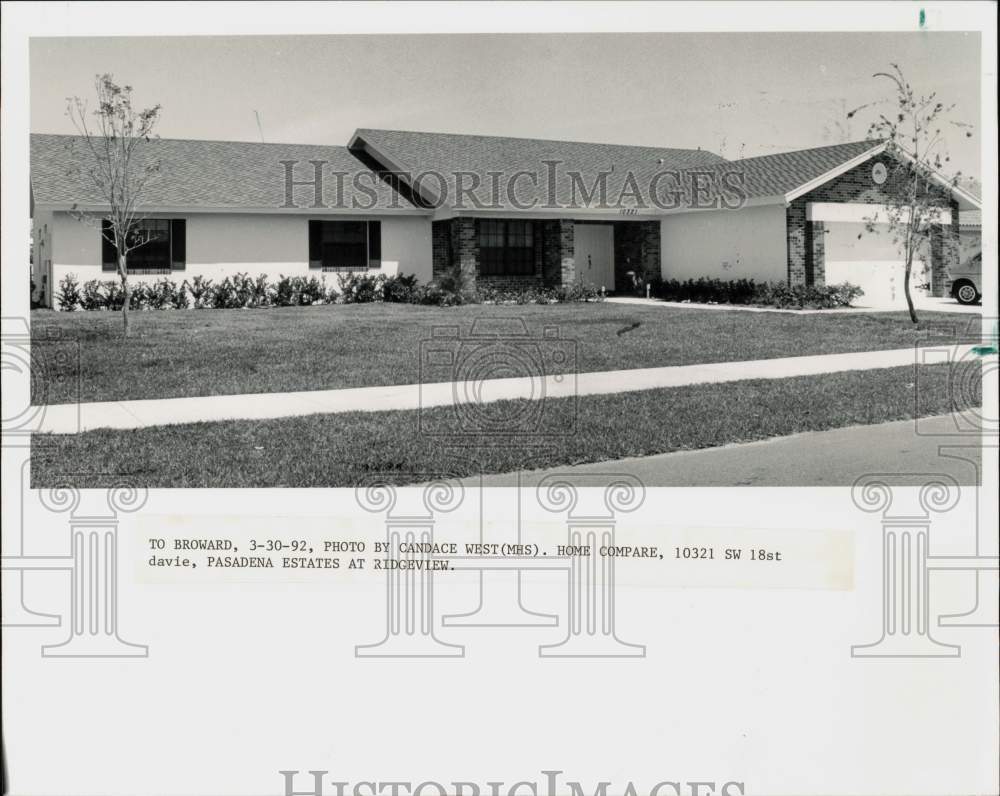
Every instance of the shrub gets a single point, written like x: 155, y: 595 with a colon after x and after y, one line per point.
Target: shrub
x: 233, y: 292
x: 112, y: 294
x: 746, y: 291
x: 92, y: 297
x: 312, y: 291
x: 399, y: 289
x: 285, y: 293
x: 138, y: 296
x: 226, y: 295
x: 179, y: 299
x: 298, y: 291
x: 201, y: 292
x: 260, y: 292
x: 35, y: 302
x: 69, y: 293
x: 160, y: 294
x: 358, y: 288
x: 240, y: 290
x: 455, y: 283
x: 578, y: 291
x: 435, y: 295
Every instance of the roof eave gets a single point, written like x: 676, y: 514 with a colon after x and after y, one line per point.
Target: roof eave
x: 97, y: 207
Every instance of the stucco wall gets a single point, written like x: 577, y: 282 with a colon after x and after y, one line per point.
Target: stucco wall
x: 226, y: 243
x: 725, y: 244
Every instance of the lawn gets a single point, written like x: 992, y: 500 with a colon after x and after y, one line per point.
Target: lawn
x: 82, y: 356
x: 345, y: 449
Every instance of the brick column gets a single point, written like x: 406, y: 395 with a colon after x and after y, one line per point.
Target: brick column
x: 795, y: 232
x: 944, y: 254
x: 567, y: 260
x: 465, y: 249
x: 440, y: 248
x: 650, y: 249
x: 558, y: 264
x: 816, y: 265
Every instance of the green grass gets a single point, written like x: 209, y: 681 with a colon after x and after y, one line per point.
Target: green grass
x: 219, y: 352
x: 343, y: 450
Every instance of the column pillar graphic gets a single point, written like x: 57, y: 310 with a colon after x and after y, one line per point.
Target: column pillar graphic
x: 500, y: 599
x: 906, y: 625
x: 409, y: 590
x: 16, y: 613
x: 591, y: 586
x: 93, y: 566
x: 984, y: 563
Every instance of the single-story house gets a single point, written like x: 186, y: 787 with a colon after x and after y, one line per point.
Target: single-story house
x: 506, y: 211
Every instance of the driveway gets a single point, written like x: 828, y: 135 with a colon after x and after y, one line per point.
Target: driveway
x: 818, y: 458
x: 920, y: 304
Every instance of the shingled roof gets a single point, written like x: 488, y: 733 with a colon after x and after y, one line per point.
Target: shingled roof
x: 244, y: 175
x: 208, y: 174
x: 782, y: 173
x: 415, y: 153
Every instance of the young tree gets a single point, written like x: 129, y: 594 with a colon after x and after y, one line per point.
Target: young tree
x: 119, y: 142
x: 913, y: 133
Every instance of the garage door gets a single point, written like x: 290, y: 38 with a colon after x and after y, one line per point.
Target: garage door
x: 871, y: 261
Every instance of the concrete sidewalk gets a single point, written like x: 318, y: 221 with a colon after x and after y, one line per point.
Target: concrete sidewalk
x: 815, y: 458
x: 73, y: 418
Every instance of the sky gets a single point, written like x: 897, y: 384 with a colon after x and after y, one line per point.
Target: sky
x: 736, y: 94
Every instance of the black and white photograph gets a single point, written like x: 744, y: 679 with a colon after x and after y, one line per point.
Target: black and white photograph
x: 664, y: 326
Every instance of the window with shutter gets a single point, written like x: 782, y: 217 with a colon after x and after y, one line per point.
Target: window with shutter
x: 345, y: 245
x: 162, y: 246
x: 178, y: 244
x: 109, y: 252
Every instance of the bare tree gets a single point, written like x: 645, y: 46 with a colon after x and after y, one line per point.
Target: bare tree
x: 118, y: 141
x: 914, y: 138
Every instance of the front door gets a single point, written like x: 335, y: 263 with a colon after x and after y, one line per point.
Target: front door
x: 594, y: 252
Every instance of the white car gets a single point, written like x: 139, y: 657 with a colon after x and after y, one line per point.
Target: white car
x: 967, y: 281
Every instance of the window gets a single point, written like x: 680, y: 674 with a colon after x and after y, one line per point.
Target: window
x: 506, y: 248
x: 163, y: 251
x: 345, y: 245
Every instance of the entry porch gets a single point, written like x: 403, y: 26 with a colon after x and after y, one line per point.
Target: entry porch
x: 518, y: 253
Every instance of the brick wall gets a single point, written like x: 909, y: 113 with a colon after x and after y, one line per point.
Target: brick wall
x: 816, y: 272
x: 651, y: 259
x: 440, y: 248
x: 558, y: 263
x: 945, y: 251
x: 465, y: 249
x: 806, y: 254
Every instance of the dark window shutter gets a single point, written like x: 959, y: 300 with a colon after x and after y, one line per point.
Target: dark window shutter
x: 178, y: 244
x: 374, y: 244
x: 109, y: 251
x: 315, y: 244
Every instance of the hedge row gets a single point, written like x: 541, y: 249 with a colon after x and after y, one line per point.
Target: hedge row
x: 750, y: 292
x: 241, y: 290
